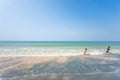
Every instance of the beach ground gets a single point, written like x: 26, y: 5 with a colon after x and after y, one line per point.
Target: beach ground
x: 63, y: 77
x: 97, y: 67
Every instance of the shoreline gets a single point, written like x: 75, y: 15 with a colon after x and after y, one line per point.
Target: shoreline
x: 51, y: 55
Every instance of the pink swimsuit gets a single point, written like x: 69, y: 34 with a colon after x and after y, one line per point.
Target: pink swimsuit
x: 84, y: 52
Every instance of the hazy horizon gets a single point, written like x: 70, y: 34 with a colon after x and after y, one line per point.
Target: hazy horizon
x: 58, y: 41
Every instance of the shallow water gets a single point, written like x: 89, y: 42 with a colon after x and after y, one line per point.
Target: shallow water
x: 11, y: 67
x: 8, y: 48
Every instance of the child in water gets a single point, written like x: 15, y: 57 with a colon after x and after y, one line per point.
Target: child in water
x: 85, y: 51
x: 108, y: 49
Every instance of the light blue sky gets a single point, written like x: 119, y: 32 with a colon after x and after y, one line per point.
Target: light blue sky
x: 60, y: 20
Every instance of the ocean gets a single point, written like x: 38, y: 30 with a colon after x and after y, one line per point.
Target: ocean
x: 55, y: 48
x: 16, y: 61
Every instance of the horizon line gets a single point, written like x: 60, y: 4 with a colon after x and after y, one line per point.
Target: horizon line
x: 57, y: 41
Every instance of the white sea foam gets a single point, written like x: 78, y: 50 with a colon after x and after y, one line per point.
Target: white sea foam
x: 51, y: 51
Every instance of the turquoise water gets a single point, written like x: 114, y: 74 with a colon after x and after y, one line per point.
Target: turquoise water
x: 57, y: 47
x: 59, y: 43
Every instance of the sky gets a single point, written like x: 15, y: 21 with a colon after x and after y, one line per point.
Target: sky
x: 59, y: 20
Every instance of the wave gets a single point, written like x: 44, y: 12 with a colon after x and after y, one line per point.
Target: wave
x: 52, y: 51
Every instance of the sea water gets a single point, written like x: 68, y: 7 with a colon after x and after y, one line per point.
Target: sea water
x: 56, y: 48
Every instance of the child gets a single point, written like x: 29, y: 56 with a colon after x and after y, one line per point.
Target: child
x: 108, y: 49
x: 85, y: 51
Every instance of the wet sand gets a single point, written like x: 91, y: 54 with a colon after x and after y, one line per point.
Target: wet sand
x: 86, y: 77
x: 97, y: 67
